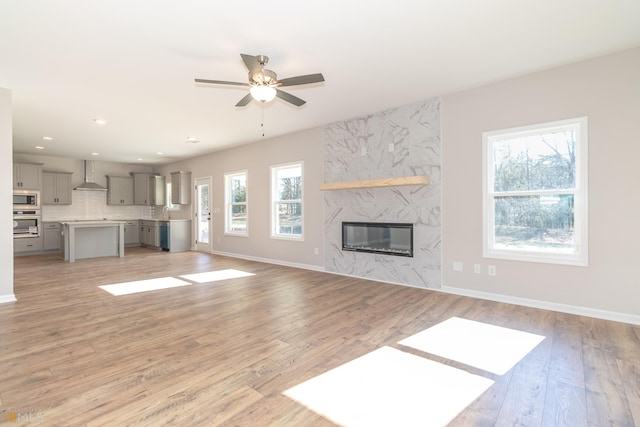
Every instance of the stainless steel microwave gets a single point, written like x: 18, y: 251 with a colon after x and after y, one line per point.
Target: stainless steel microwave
x: 26, y: 199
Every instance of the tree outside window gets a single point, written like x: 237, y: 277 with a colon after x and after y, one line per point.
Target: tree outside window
x: 535, y: 193
x: 236, y: 212
x: 286, y: 215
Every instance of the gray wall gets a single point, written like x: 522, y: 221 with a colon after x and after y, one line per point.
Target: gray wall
x: 359, y: 149
x: 607, y: 90
x: 6, y: 191
x: 256, y: 159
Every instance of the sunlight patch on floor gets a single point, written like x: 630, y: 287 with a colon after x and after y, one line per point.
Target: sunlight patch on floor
x: 390, y: 387
x: 214, y: 276
x: 138, y: 286
x: 488, y: 347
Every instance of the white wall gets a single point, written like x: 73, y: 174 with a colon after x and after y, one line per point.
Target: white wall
x: 6, y: 191
x: 607, y: 90
x: 256, y: 158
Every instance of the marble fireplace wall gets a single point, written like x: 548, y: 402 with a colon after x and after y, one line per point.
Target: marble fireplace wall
x: 360, y: 149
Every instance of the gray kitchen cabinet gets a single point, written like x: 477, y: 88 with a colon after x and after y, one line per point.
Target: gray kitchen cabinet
x: 131, y: 233
x: 141, y: 193
x: 157, y: 190
x: 149, y: 233
x: 181, y: 188
x: 56, y: 188
x: 27, y: 176
x: 52, y: 236
x: 177, y: 237
x: 148, y: 189
x: 120, y: 190
x: 27, y: 246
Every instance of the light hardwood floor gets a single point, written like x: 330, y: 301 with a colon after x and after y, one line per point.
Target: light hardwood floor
x: 223, y: 353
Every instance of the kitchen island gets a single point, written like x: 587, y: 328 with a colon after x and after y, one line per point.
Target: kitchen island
x: 92, y: 239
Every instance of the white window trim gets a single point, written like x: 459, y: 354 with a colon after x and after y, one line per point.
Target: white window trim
x: 581, y: 229
x: 274, y: 202
x: 227, y: 203
x: 170, y: 206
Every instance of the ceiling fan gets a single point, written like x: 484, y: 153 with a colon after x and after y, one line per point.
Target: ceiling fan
x: 264, y: 84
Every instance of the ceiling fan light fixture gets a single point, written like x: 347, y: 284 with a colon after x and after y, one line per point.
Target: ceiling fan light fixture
x: 263, y: 93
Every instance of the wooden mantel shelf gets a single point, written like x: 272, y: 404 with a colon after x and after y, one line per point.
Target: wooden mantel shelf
x: 372, y: 183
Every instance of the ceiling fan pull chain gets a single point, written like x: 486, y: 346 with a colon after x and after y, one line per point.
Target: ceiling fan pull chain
x: 262, y: 120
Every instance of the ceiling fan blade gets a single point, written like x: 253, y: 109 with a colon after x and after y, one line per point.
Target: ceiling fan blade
x: 301, y: 80
x: 221, y: 82
x: 290, y: 98
x: 252, y: 63
x: 245, y: 101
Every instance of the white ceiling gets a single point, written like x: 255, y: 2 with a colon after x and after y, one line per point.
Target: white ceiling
x: 132, y: 62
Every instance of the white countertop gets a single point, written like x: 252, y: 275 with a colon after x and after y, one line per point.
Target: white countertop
x: 96, y: 223
x: 165, y: 220
x: 111, y: 221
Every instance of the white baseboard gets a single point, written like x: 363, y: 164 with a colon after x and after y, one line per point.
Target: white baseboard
x: 7, y: 298
x: 271, y: 261
x: 546, y: 305
x: 526, y: 302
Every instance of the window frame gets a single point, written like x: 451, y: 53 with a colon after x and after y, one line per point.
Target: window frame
x: 580, y: 192
x: 275, y: 201
x: 228, y: 204
x: 169, y: 205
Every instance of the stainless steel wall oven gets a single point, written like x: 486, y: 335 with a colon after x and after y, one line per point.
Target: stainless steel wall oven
x: 26, y: 223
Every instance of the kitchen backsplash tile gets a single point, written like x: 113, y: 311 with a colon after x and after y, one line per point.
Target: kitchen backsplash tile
x: 91, y: 205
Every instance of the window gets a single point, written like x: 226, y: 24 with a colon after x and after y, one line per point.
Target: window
x: 235, y: 214
x: 169, y: 204
x: 286, y: 200
x: 535, y: 193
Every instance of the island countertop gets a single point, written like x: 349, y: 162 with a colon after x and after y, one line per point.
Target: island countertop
x: 93, y: 223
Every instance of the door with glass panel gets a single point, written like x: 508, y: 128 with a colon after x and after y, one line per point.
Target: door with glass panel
x: 202, y: 207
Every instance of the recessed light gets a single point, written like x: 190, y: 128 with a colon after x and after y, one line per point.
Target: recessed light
x: 160, y: 153
x: 192, y: 140
x: 39, y: 147
x: 139, y: 159
x: 47, y: 138
x: 99, y: 121
x: 95, y: 154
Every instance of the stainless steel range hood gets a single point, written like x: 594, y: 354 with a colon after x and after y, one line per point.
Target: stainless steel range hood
x: 89, y: 183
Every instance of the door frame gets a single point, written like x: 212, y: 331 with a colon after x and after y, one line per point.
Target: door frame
x: 202, y: 247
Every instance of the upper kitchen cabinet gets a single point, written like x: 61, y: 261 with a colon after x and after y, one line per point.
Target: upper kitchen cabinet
x: 120, y: 190
x: 148, y: 189
x: 56, y: 188
x: 181, y: 188
x: 141, y: 190
x: 158, y: 190
x: 27, y: 176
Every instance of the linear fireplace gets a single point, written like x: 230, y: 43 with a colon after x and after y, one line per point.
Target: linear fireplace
x: 378, y: 237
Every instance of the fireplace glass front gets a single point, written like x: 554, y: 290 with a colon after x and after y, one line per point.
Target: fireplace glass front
x: 378, y: 237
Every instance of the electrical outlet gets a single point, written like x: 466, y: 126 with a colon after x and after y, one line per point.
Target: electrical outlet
x: 457, y: 266
x: 491, y: 270
x: 363, y: 151
x: 391, y: 147
x: 315, y: 251
x: 477, y: 269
